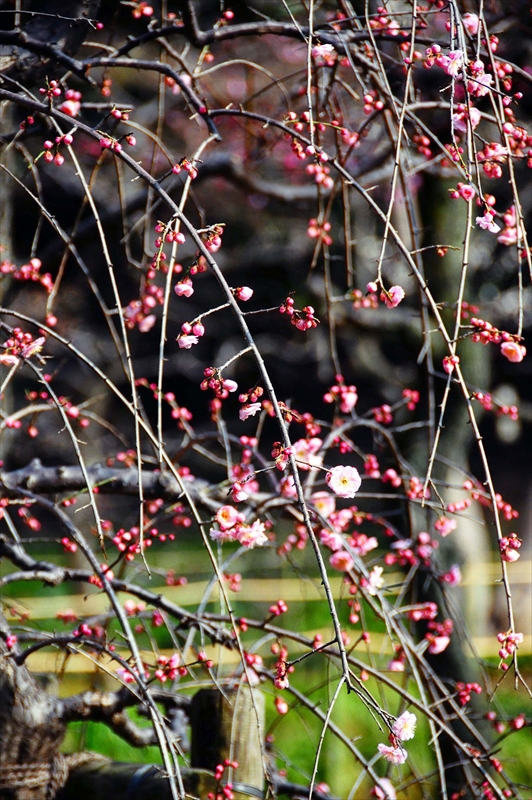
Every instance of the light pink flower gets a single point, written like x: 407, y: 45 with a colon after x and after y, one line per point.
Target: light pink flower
x: 186, y: 342
x: 237, y: 493
x: 341, y: 560
x: 9, y: 360
x: 393, y: 297
x: 376, y: 581
x: 249, y: 410
x: 460, y: 119
x: 70, y: 107
x: 404, y: 726
x: 331, y: 540
x: 244, y: 293
x: 513, y: 351
x: 147, y: 323
x: 184, y: 288
x: 227, y: 517
x: 252, y: 535
x: 395, y: 755
x: 324, y: 503
x: 384, y: 790
x: 486, y: 222
x: 444, y: 525
x: 453, y: 577
x: 439, y: 644
x: 344, y: 481
x: 451, y: 64
x: 306, y: 453
x: 288, y: 487
x: 230, y: 385
x: 470, y: 23
x: 33, y: 348
x: 481, y: 85
x: 508, y: 236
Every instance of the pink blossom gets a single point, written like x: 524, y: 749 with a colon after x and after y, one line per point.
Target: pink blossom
x: 445, y: 526
x: 404, y: 726
x: 513, y: 351
x: 186, y: 342
x: 288, y: 487
x: 244, y: 293
x: 376, y: 581
x: 344, y: 481
x: 395, y: 755
x: 249, y: 410
x: 252, y: 536
x: 439, y: 644
x: 230, y: 385
x: 227, y: 517
x: 481, y: 85
x: 470, y: 23
x: 453, y: 577
x: 9, y: 360
x: 341, y: 560
x: 384, y: 790
x: 306, y: 453
x: 396, y: 665
x: 331, y: 540
x: 184, y: 288
x: 324, y: 503
x: 70, y: 108
x: 237, y: 493
x: 325, y: 51
x: 393, y: 297
x: 508, y: 236
x: 486, y: 222
x: 461, y: 117
x: 33, y: 348
x: 147, y: 323
x: 451, y: 64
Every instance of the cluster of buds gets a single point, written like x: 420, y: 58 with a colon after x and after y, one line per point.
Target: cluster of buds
x: 278, y: 608
x: 72, y: 104
x: 129, y: 541
x: 464, y: 691
x: 282, y: 668
x: 466, y: 309
x: 304, y: 319
x: 234, y: 579
x: 383, y: 414
x: 220, y: 386
x: 491, y: 157
x: 139, y: 313
x: 250, y: 402
x: 509, y: 547
x: 450, y: 363
x: 390, y: 297
x: 223, y: 792
x: 68, y: 546
x: 371, y: 103
x: 169, y: 668
x: 364, y: 300
x: 391, y: 476
x: 422, y: 143
x: 319, y: 230
x: 484, y: 499
x: 53, y: 89
x: 28, y: 272
x: 95, y: 631
x: 322, y: 176
x: 212, y: 237
x: 371, y: 466
x: 463, y: 190
x: 439, y: 636
x: 141, y: 9
x: 345, y: 396
x: 56, y: 157
x: 488, y: 403
x: 412, y: 398
x: 187, y: 166
x: 509, y: 643
x: 20, y: 345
